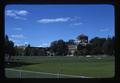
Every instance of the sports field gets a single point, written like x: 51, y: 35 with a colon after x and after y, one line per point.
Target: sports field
x: 60, y: 67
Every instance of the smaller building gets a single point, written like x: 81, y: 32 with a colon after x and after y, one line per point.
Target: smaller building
x: 72, y: 49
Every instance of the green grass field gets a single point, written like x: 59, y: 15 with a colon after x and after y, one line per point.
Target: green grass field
x: 60, y: 67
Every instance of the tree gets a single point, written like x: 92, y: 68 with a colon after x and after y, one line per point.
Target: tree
x: 113, y: 44
x: 38, y: 51
x: 42, y: 52
x: 97, y: 44
x: 81, y: 50
x: 6, y: 45
x: 108, y: 46
x: 82, y: 38
x: 16, y: 50
x: 59, y: 47
x: 53, y: 47
x: 88, y: 49
x: 28, y: 50
x: 9, y: 48
x: 71, y: 42
x: 19, y: 50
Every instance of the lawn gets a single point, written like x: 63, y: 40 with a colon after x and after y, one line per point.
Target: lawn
x: 96, y: 67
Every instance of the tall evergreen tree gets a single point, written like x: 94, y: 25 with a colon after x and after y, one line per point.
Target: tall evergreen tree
x: 28, y: 50
x: 9, y: 47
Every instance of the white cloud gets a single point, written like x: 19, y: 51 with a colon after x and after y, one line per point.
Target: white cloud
x: 16, y: 41
x: 10, y: 13
x: 21, y: 18
x: 72, y: 20
x: 44, y: 45
x: 26, y: 42
x: 18, y: 44
x: 48, y: 20
x: 104, y: 30
x: 76, y: 24
x: 18, y: 36
x: 22, y: 12
x: 18, y: 29
x: 39, y: 46
x: 17, y: 14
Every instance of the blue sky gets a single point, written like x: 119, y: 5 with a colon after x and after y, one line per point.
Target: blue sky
x: 39, y: 25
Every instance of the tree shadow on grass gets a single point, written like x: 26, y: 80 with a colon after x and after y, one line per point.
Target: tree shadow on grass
x: 16, y: 64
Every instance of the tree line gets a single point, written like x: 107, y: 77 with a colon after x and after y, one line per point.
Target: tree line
x: 96, y: 46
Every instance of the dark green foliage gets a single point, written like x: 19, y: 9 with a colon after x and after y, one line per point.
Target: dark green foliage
x: 35, y: 51
x: 41, y: 52
x: 88, y: 49
x: 9, y: 48
x: 82, y: 38
x: 70, y: 42
x: 108, y: 46
x: 27, y: 50
x: 97, y: 44
x: 81, y: 50
x: 59, y: 47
